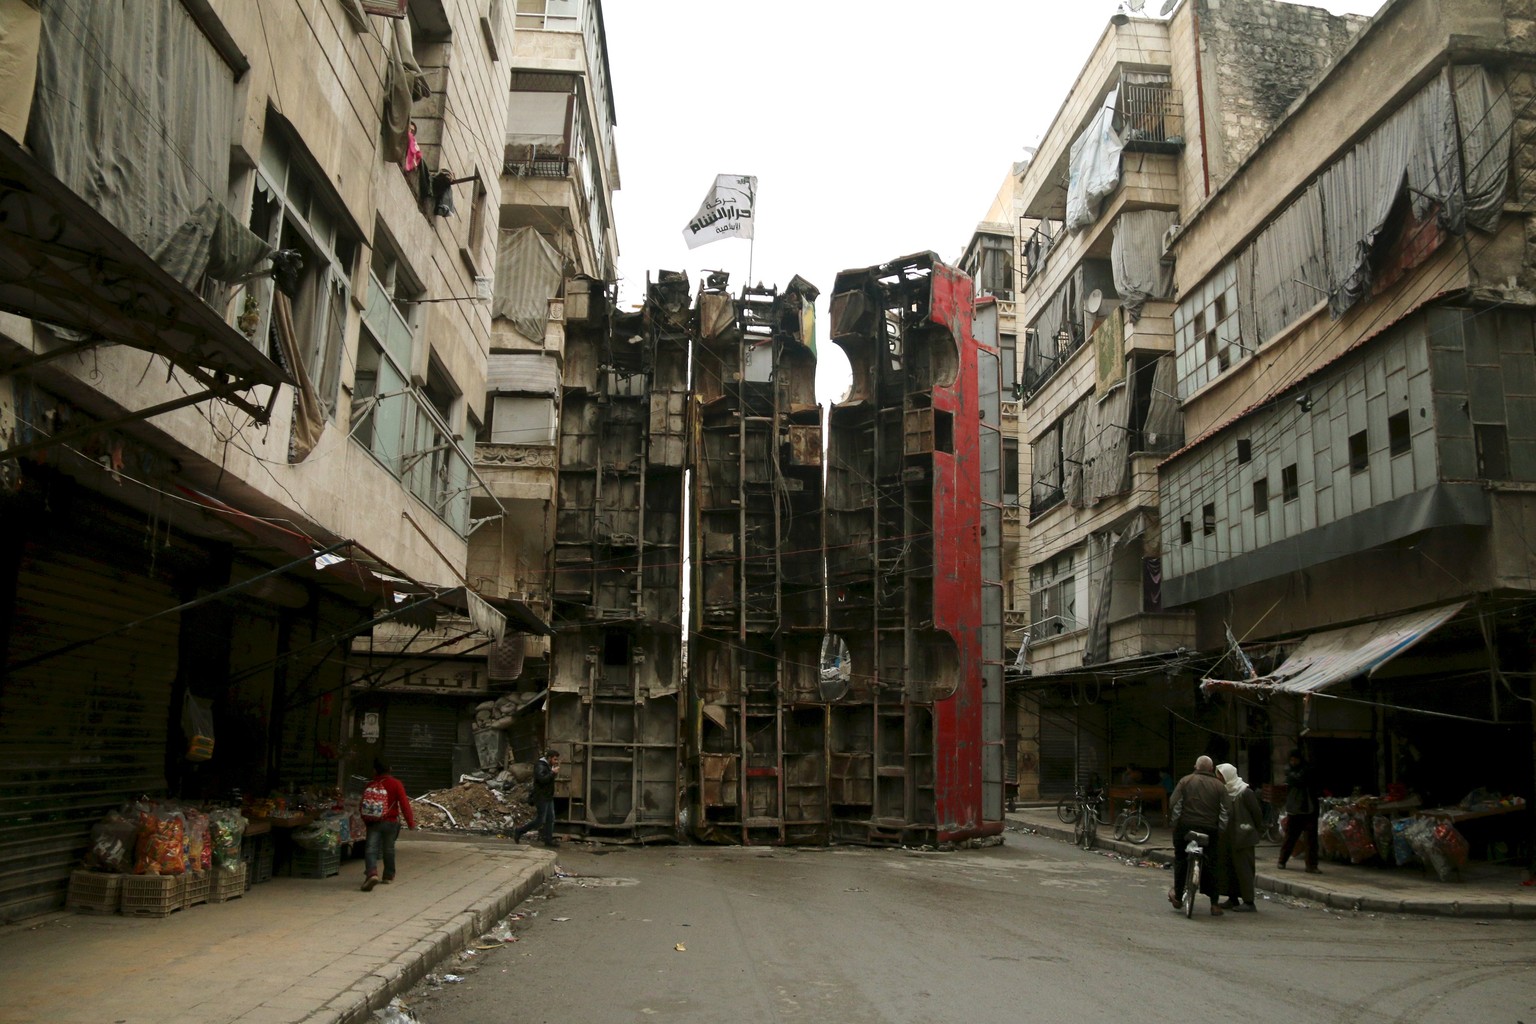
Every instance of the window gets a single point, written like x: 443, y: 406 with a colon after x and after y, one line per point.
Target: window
x: 1244, y: 450
x: 474, y: 242
x: 1492, y: 451
x: 293, y: 210
x: 385, y: 355
x: 549, y: 15
x: 1208, y: 520
x: 522, y: 419
x: 431, y: 33
x: 1053, y: 598
x: 1186, y: 531
x: 1398, y: 440
x: 1007, y: 347
x: 1359, y: 453
x: 1010, y: 471
x: 1261, y: 496
x: 1290, y: 490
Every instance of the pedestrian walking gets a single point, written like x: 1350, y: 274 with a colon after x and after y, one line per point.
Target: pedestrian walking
x: 1240, y: 841
x: 1300, y: 810
x: 542, y: 796
x: 383, y: 804
x: 1199, y: 805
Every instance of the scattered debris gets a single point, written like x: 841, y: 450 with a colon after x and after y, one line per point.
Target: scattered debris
x: 680, y: 948
x: 484, y: 803
x: 395, y: 1013
x: 562, y: 919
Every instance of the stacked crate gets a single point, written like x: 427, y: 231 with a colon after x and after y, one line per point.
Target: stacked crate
x: 314, y: 863
x: 152, y: 895
x: 225, y: 885
x: 195, y: 885
x: 92, y: 892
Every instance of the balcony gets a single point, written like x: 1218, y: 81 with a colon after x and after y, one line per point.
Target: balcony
x: 1152, y: 116
x: 517, y: 472
x: 536, y: 156
x: 1133, y: 636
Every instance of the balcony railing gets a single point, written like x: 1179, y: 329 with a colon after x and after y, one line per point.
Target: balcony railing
x: 536, y: 156
x: 1153, y: 442
x: 1152, y: 118
x: 1045, y: 500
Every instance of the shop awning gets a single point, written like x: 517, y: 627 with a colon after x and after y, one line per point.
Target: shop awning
x: 1335, y: 655
x: 64, y: 263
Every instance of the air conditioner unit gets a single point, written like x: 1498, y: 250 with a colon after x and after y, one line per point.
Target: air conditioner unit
x: 1169, y: 235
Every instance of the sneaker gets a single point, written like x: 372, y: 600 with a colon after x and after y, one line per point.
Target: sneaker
x: 1216, y: 911
x: 388, y: 879
x: 1280, y: 864
x: 370, y: 882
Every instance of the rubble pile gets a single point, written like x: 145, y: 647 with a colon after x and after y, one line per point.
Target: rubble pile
x: 481, y: 802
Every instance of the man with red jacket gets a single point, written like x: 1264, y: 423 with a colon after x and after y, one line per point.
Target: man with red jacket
x: 384, y: 801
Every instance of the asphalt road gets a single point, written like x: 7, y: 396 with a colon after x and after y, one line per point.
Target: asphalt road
x: 1032, y: 930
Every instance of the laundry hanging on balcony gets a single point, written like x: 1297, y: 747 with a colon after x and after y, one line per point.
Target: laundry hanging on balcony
x: 528, y: 274
x: 1094, y: 166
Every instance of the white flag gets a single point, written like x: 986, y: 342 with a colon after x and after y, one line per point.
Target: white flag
x: 725, y: 213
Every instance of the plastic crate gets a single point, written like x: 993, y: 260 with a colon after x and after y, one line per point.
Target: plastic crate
x: 259, y: 863
x: 152, y: 895
x: 195, y: 888
x: 314, y: 863
x: 227, y: 885
x: 93, y: 892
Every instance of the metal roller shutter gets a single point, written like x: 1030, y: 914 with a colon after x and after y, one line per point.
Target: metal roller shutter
x: 82, y: 732
x: 419, y: 736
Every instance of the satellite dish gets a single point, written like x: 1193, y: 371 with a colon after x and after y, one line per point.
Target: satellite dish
x: 1135, y: 6
x: 1168, y: 8
x: 1094, y: 302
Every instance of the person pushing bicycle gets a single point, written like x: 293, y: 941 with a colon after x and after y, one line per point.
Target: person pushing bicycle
x: 1199, y: 804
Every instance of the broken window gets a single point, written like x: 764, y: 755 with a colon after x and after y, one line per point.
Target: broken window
x: 295, y: 213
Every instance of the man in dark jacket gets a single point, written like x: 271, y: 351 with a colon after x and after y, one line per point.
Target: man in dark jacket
x: 1200, y: 804
x: 1300, y: 810
x: 542, y: 797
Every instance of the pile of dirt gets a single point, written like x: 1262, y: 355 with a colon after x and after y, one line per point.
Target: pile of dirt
x: 488, y: 805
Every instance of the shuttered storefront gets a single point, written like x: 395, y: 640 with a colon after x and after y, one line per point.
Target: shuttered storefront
x: 82, y: 732
x: 419, y: 736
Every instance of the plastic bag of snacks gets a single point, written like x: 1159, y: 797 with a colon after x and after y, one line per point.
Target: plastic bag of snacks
x: 1402, y: 849
x: 323, y: 835
x: 1451, y: 844
x: 226, y: 828
x: 1381, y: 832
x: 113, y: 843
x: 162, y: 844
x: 1429, y: 849
x: 199, y: 852
x: 1356, y: 835
x: 1330, y: 840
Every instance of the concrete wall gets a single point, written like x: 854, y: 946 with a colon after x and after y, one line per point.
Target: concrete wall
x: 1257, y: 56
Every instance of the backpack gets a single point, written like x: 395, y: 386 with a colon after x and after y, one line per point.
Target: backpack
x: 375, y: 801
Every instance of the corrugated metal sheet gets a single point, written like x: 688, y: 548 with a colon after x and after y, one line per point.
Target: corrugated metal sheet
x: 83, y: 732
x: 419, y: 737
x: 522, y: 373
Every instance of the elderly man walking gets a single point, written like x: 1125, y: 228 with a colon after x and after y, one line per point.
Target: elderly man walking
x: 1200, y: 804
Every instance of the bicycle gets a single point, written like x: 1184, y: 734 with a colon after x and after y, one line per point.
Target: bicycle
x: 1195, y: 851
x: 1085, y: 830
x: 1131, y: 824
x: 1068, y: 807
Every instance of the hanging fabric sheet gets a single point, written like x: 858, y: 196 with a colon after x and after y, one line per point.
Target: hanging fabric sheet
x: 1136, y: 257
x: 1093, y: 167
x: 528, y: 274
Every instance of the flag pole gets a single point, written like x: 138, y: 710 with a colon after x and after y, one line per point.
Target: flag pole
x: 752, y: 242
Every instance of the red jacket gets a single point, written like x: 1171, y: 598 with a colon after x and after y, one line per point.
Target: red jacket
x: 399, y: 802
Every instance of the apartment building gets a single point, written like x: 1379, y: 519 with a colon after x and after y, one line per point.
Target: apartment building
x: 1163, y: 110
x: 249, y: 249
x: 1348, y: 524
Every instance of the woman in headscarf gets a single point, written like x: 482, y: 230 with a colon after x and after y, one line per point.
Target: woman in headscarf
x: 1244, y: 825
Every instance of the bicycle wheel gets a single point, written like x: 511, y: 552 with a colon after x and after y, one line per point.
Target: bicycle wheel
x: 1090, y: 831
x: 1102, y: 813
x: 1120, y: 825
x: 1066, y: 810
x: 1191, y: 887
x: 1079, y: 829
x: 1134, y: 827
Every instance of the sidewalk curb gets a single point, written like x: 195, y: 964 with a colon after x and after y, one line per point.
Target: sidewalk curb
x: 357, y: 1003
x: 1270, y: 882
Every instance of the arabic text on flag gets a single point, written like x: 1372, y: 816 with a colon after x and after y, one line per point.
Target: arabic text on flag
x: 725, y: 213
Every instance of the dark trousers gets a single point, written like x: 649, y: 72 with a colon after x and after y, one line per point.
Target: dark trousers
x: 1295, y: 825
x: 543, y: 819
x: 1181, y: 859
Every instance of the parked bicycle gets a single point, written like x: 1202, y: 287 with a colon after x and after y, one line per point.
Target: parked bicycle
x: 1068, y: 807
x: 1131, y: 824
x: 1085, y: 830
